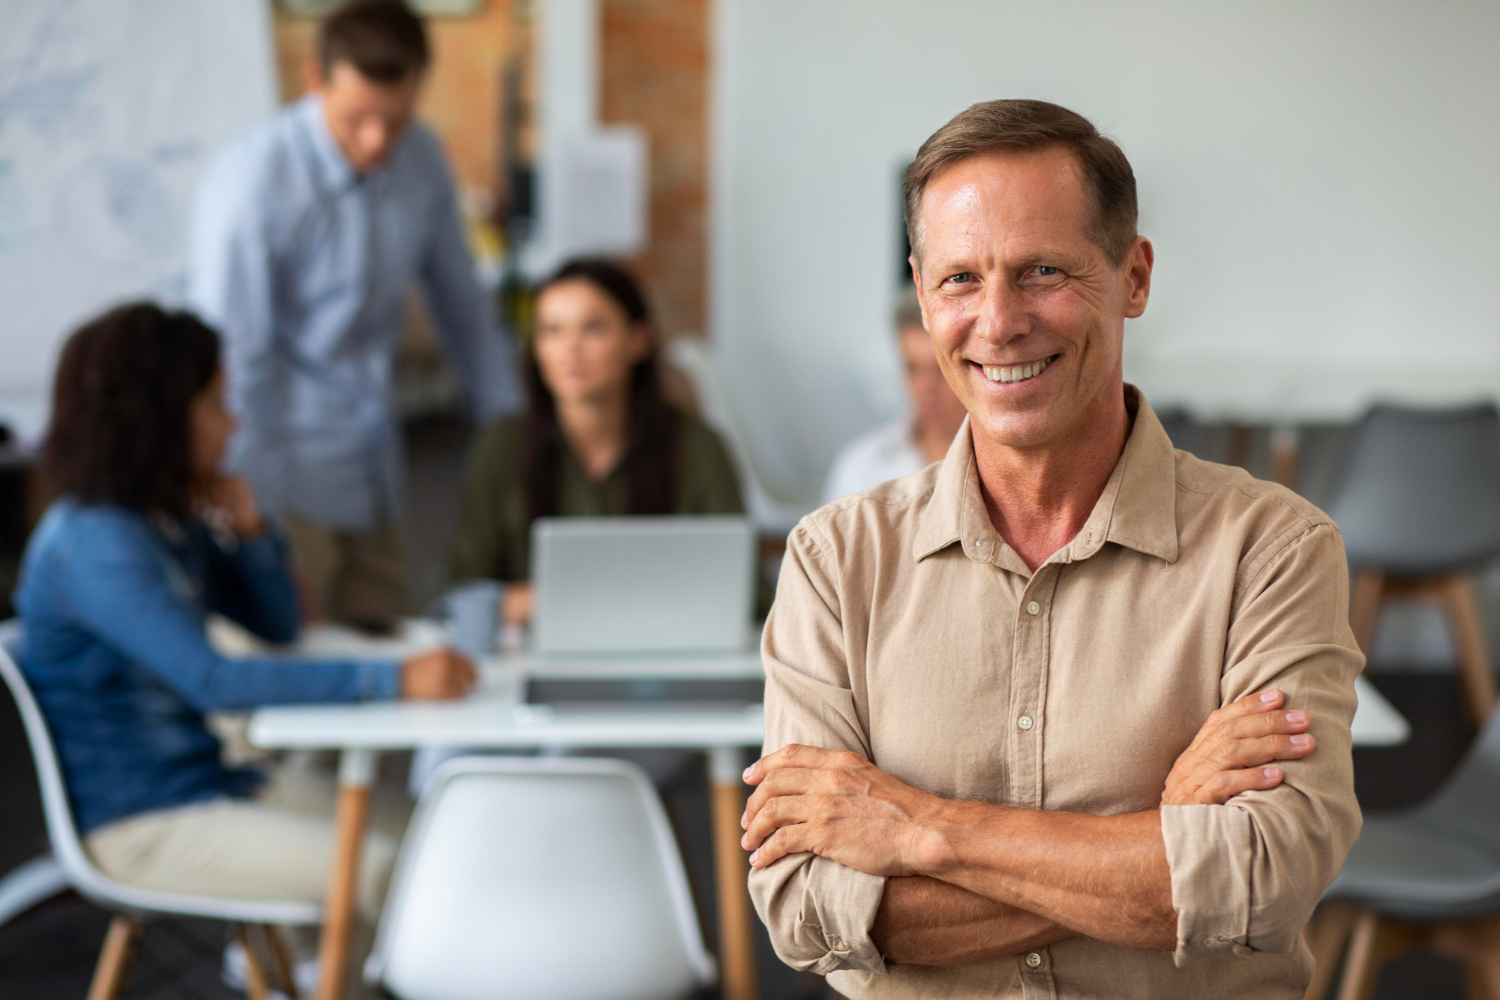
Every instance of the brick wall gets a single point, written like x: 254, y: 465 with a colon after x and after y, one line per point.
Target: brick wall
x: 655, y: 74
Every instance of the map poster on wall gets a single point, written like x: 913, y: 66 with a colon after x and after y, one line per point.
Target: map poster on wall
x: 109, y: 110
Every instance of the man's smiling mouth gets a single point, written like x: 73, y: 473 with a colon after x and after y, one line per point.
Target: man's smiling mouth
x: 1017, y: 373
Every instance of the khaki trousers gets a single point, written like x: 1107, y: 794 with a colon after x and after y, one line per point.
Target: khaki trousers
x: 357, y: 578
x: 276, y: 846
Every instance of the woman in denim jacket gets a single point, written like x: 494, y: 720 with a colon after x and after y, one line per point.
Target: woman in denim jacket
x: 146, y: 539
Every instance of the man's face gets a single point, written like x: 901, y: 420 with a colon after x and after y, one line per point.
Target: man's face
x: 1027, y: 314
x: 366, y: 118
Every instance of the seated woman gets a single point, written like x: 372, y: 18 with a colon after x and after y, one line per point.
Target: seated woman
x: 146, y: 539
x: 598, y: 436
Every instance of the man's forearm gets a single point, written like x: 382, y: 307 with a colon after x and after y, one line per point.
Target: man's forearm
x: 1102, y: 876
x: 922, y: 921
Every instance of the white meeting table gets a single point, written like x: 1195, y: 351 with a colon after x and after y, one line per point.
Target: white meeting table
x: 491, y: 718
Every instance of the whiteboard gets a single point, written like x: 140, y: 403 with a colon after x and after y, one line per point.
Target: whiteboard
x: 1321, y: 181
x: 109, y: 109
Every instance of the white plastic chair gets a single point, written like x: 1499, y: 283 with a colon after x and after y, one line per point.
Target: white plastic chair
x: 134, y: 905
x: 539, y: 879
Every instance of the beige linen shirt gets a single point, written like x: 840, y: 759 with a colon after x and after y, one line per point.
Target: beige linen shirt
x: 907, y: 630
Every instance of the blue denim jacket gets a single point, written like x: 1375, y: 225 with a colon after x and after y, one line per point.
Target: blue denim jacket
x: 113, y: 607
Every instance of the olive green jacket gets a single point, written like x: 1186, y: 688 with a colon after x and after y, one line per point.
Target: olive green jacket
x: 493, y: 540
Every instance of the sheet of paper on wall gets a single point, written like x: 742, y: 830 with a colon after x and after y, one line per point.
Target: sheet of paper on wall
x: 601, y: 197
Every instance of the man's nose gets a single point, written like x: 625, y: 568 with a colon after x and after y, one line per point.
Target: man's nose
x: 1002, y: 314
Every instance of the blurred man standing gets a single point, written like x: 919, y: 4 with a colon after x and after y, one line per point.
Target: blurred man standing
x: 911, y: 443
x: 307, y: 233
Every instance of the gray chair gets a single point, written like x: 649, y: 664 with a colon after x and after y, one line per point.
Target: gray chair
x: 1427, y: 879
x: 1419, y: 508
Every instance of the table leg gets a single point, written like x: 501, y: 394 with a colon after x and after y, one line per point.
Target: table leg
x: 356, y: 775
x: 736, y: 940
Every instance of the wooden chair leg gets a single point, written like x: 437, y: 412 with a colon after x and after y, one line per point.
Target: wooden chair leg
x: 256, y: 987
x: 1476, y: 672
x: 1482, y: 978
x: 1364, y: 608
x: 114, y: 958
x: 1375, y: 941
x: 1327, y: 937
x: 281, y: 961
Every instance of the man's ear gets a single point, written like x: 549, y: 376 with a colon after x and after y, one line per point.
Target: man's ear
x: 916, y: 278
x: 313, y: 80
x: 1138, y: 276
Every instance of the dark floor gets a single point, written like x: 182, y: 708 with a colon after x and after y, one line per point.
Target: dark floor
x: 48, y: 954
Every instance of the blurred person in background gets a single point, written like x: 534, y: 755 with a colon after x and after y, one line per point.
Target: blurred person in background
x: 146, y: 539
x: 913, y: 442
x: 598, y: 437
x: 307, y: 233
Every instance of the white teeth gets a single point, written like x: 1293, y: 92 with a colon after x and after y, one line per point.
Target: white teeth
x: 1015, y: 373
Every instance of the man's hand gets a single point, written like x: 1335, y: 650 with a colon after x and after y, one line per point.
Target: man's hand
x: 1230, y: 753
x: 436, y: 676
x: 836, y: 804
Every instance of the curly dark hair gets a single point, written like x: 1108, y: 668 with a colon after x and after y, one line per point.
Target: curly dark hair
x: 121, y: 403
x: 651, y: 426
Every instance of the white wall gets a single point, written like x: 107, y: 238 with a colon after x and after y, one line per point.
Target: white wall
x: 1320, y: 181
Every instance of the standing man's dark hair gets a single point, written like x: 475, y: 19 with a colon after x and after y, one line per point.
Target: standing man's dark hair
x: 125, y: 385
x: 1021, y: 126
x: 382, y: 39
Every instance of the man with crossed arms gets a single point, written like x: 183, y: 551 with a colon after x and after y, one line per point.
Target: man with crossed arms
x: 987, y: 683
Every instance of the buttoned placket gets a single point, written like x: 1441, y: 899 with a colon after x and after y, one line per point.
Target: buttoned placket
x: 1030, y: 659
x: 1028, y: 687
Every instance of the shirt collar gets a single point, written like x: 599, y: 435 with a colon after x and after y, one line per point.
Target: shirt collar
x: 332, y: 165
x: 1138, y: 508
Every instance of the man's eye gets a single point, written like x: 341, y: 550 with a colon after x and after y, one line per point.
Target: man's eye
x: 961, y: 278
x: 1046, y: 270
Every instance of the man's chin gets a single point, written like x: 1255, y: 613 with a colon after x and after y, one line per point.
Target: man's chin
x: 1024, y: 431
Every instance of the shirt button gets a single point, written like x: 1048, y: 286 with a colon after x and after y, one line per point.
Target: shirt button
x: 1033, y: 608
x: 1033, y: 960
x: 1025, y: 722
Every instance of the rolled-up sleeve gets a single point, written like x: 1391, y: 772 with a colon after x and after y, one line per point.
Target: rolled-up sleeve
x: 818, y: 912
x: 1246, y: 875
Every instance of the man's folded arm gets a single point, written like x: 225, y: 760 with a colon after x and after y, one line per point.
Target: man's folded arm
x: 819, y: 913
x: 1246, y: 875
x: 823, y: 916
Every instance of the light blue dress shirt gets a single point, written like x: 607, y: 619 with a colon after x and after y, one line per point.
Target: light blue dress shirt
x: 304, y: 266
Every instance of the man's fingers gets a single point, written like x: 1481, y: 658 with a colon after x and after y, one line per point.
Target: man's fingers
x: 1251, y: 704
x: 799, y: 755
x: 1265, y: 749
x: 787, y: 840
x: 784, y: 810
x: 1226, y: 784
x: 781, y: 782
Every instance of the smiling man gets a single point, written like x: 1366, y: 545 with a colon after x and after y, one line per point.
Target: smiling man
x: 994, y: 687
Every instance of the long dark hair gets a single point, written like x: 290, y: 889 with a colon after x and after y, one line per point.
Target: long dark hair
x: 121, y: 431
x: 650, y: 430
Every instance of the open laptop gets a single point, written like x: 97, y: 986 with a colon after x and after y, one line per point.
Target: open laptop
x: 638, y: 585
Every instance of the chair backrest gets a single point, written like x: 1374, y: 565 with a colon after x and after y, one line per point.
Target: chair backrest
x: 1420, y: 489
x: 67, y: 848
x: 539, y: 879
x: 1469, y: 800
